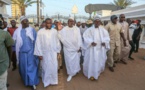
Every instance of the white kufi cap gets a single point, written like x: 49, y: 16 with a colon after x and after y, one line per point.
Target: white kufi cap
x: 72, y: 18
x: 97, y: 18
x: 83, y: 21
x: 23, y: 18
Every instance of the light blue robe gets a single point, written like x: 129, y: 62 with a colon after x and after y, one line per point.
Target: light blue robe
x: 28, y: 63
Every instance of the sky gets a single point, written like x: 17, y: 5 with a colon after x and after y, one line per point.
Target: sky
x: 64, y: 7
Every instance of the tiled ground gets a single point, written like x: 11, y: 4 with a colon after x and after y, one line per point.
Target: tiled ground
x: 125, y: 77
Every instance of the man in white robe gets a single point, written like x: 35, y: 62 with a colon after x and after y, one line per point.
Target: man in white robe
x: 96, y: 40
x: 83, y: 28
x: 71, y: 39
x: 47, y: 47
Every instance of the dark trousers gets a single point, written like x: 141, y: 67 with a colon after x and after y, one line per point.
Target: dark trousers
x: 132, y: 48
x: 14, y: 59
x: 82, y: 59
x: 136, y: 43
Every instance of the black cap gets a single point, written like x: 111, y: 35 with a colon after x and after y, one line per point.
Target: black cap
x: 113, y: 17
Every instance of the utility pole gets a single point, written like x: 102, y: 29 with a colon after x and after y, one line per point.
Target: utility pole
x: 41, y: 8
x: 58, y: 16
x: 90, y: 16
x: 75, y: 11
x: 38, y: 11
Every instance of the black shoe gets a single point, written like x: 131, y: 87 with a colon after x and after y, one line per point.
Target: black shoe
x: 7, y: 85
x: 124, y: 62
x: 14, y: 69
x: 136, y: 51
x: 32, y: 88
x: 115, y: 61
x: 111, y: 69
x: 131, y: 58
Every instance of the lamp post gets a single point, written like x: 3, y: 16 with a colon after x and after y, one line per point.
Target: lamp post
x: 38, y: 11
x: 58, y: 17
x: 42, y: 18
x: 74, y: 10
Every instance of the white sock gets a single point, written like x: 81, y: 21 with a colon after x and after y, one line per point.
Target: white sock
x: 34, y: 87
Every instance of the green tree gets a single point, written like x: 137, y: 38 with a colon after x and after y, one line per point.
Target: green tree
x: 23, y: 4
x: 123, y: 3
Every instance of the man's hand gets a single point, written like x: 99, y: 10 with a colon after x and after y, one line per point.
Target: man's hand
x: 137, y: 38
x: 125, y: 44
x: 9, y: 50
x: 130, y: 42
x: 10, y: 61
x: 94, y: 44
x: 103, y: 44
x: 124, y: 40
x: 40, y: 58
x: 79, y: 50
x: 10, y: 64
x: 58, y: 56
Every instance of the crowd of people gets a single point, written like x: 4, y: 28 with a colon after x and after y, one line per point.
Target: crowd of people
x: 40, y: 53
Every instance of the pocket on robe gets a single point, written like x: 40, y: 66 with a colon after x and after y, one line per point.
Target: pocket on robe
x: 117, y: 43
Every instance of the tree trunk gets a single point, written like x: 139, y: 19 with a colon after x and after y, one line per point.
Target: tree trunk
x: 23, y: 11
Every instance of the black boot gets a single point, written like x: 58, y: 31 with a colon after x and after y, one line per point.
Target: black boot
x: 111, y: 69
x: 7, y: 85
x: 124, y: 62
x: 131, y: 58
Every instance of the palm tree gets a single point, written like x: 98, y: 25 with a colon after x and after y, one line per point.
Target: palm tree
x: 123, y: 3
x: 23, y: 4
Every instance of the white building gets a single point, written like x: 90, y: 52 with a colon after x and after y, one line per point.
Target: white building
x: 3, y: 10
x: 133, y: 13
x: 104, y: 13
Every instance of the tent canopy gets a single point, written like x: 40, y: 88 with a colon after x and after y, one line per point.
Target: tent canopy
x: 97, y: 7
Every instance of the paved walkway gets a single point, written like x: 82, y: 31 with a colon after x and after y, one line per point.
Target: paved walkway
x: 125, y: 77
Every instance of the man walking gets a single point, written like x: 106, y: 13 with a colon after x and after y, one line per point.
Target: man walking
x: 47, y: 48
x: 124, y: 49
x: 11, y: 30
x: 115, y: 32
x: 97, y: 43
x: 25, y: 37
x: 72, y: 42
x: 6, y: 43
x: 137, y: 35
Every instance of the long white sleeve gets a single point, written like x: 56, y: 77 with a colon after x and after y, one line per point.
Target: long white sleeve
x: 38, y: 49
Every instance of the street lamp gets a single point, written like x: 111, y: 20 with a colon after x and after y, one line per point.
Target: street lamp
x: 74, y: 10
x: 42, y: 18
x: 58, y: 17
x: 38, y: 11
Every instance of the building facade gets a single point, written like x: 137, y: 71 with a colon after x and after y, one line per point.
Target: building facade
x: 16, y: 12
x: 3, y: 10
x: 104, y: 13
